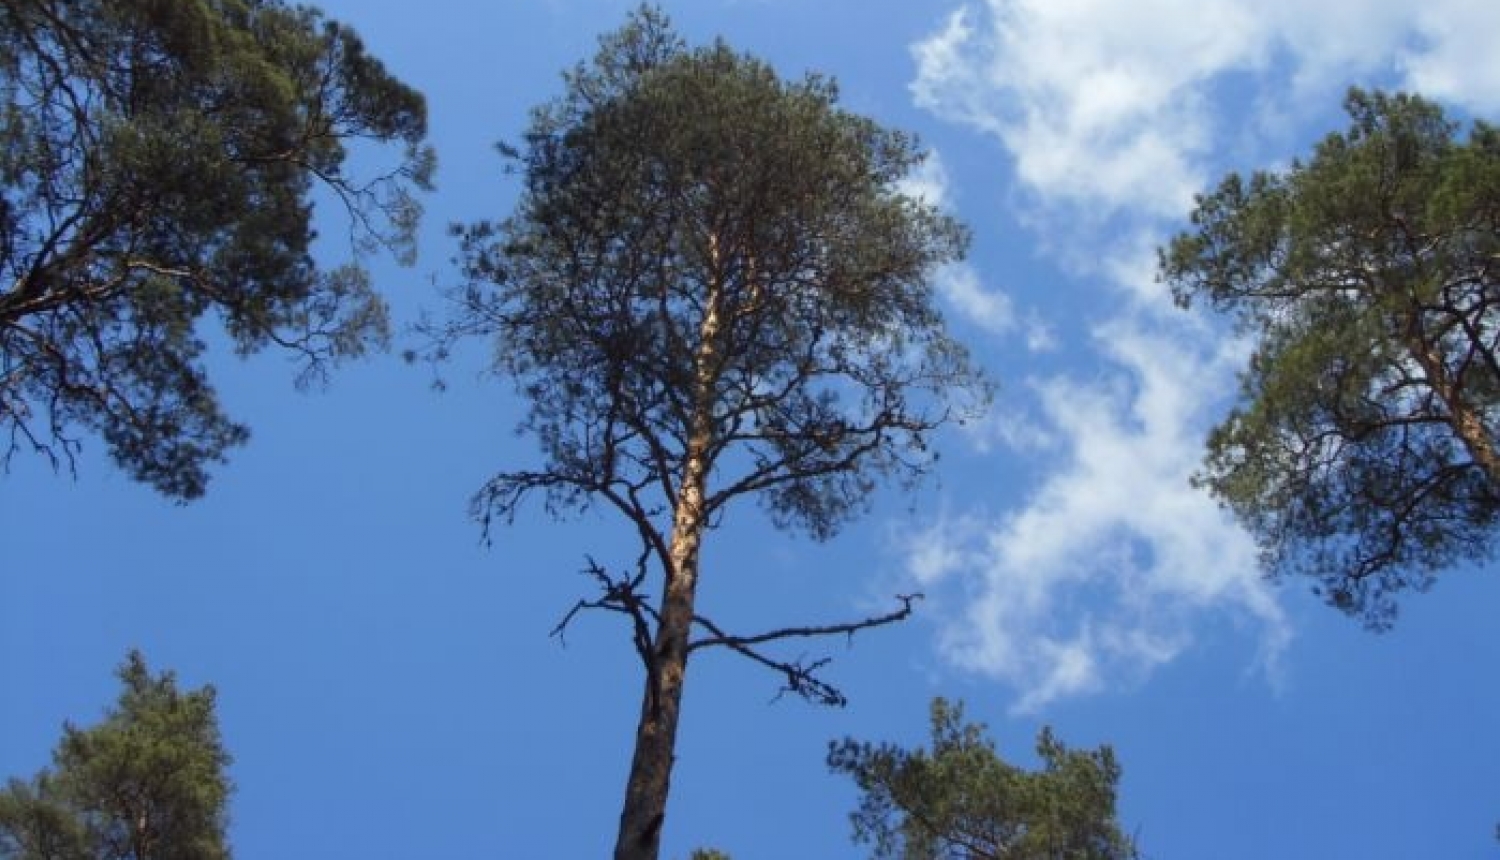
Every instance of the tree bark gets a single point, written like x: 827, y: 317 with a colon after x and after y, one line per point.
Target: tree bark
x: 661, y: 704
x: 656, y: 734
x: 1468, y: 425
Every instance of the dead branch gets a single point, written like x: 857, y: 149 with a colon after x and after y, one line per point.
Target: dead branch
x: 619, y: 594
x: 801, y: 676
x: 719, y: 637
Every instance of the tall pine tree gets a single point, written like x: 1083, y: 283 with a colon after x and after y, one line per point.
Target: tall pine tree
x: 711, y: 291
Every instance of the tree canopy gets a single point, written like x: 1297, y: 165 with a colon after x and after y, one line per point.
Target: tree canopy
x: 1362, y: 450
x: 147, y: 783
x: 961, y: 801
x: 710, y: 290
x: 158, y: 163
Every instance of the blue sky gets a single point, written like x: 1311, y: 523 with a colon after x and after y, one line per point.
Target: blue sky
x: 387, y: 683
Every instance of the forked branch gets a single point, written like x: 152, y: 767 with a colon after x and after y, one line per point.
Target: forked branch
x: 620, y: 593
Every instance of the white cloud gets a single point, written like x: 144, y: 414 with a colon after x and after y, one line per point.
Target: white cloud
x: 1106, y: 105
x: 991, y: 310
x: 1008, y: 425
x: 929, y: 182
x: 960, y: 283
x: 1091, y: 98
x: 1101, y: 573
x: 1039, y: 334
x: 1455, y: 57
x: 1112, y: 115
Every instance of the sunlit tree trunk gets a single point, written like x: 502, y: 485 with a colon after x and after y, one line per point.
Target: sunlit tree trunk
x: 1468, y: 425
x: 656, y: 734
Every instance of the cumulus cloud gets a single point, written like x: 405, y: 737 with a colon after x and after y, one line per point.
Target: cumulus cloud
x: 1112, y: 115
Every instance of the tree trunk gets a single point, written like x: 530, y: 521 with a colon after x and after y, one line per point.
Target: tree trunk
x: 1468, y: 425
x: 656, y: 735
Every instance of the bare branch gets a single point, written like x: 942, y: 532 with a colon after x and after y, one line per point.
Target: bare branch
x: 800, y: 675
x: 719, y: 637
x: 620, y: 594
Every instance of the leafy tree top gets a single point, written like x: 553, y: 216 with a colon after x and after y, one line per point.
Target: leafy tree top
x: 1362, y: 448
x: 704, y: 250
x: 146, y: 783
x: 959, y: 800
x: 157, y: 165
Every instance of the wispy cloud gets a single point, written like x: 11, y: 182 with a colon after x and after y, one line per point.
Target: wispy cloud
x: 960, y: 284
x: 1112, y: 116
x: 1087, y: 97
x: 929, y: 183
x: 991, y: 310
x: 1104, y: 569
x: 1116, y: 107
